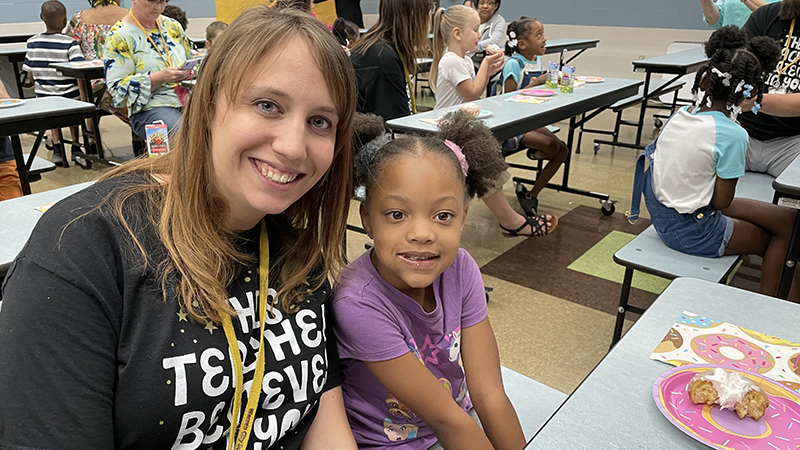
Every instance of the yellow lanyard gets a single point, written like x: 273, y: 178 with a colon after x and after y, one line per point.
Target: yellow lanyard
x: 164, y: 56
x: 239, y: 441
x: 411, y: 92
x: 786, y: 52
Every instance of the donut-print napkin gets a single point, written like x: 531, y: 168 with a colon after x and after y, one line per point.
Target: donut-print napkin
x: 696, y: 339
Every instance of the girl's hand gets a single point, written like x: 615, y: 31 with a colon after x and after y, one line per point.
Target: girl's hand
x: 538, y: 81
x: 494, y: 62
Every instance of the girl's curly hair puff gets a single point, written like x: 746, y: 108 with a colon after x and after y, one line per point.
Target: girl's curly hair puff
x: 731, y: 53
x: 376, y: 148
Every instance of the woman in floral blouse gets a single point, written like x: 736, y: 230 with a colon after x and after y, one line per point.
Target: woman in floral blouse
x: 143, y: 55
x: 89, y: 28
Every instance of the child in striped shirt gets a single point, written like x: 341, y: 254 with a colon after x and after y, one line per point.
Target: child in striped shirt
x: 53, y: 47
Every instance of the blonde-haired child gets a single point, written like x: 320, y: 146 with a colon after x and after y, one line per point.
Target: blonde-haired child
x: 455, y: 32
x: 456, y: 82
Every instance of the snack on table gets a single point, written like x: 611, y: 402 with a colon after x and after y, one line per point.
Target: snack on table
x: 729, y: 390
x: 471, y: 108
x: 491, y: 49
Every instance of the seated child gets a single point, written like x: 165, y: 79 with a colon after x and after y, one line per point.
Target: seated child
x: 412, y: 306
x: 213, y: 30
x: 525, y: 46
x: 694, y: 164
x: 457, y: 82
x: 346, y: 32
x: 52, y: 46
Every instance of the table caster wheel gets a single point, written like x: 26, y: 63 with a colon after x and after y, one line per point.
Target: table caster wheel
x: 607, y: 207
x: 658, y: 123
x: 596, y: 148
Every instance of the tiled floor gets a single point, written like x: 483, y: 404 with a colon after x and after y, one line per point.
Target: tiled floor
x: 550, y: 339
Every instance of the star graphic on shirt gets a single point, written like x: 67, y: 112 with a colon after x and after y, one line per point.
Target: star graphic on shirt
x: 182, y: 316
x: 429, y: 351
x: 210, y: 327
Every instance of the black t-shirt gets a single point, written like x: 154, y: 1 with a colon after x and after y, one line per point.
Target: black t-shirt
x: 765, y: 21
x: 91, y: 357
x: 382, y: 86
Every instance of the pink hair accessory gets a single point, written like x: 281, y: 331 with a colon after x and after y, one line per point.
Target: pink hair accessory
x: 459, y: 154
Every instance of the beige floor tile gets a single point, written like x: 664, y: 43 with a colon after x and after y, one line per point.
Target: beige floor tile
x: 553, y: 341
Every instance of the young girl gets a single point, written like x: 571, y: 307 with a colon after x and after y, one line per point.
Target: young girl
x: 346, y: 33
x: 695, y: 162
x: 409, y: 308
x: 452, y: 73
x: 525, y: 46
x: 457, y: 82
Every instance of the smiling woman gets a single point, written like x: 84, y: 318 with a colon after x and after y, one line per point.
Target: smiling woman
x: 178, y: 280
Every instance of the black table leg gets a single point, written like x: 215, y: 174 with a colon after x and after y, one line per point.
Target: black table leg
x: 643, y: 110
x: 792, y: 257
x: 23, y: 173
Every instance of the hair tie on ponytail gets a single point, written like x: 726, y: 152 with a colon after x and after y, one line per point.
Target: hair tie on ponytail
x: 748, y: 91
x: 459, y: 154
x: 726, y: 77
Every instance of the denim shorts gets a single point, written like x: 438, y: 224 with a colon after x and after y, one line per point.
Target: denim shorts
x: 705, y: 232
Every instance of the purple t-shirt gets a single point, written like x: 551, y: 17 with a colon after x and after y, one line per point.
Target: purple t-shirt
x: 377, y: 322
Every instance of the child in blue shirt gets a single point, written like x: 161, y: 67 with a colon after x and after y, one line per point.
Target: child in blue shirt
x: 525, y: 45
x: 694, y: 164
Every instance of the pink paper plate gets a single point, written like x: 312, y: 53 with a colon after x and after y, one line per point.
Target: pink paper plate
x: 590, y: 79
x: 538, y: 92
x: 722, y: 428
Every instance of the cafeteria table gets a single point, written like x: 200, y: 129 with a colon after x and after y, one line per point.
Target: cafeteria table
x: 677, y: 64
x: 20, y: 216
x: 39, y: 115
x: 614, y: 408
x: 787, y: 187
x: 509, y: 119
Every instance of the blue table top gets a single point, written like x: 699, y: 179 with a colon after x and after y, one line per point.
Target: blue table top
x: 35, y: 108
x: 788, y: 182
x: 614, y: 408
x: 556, y: 45
x: 20, y: 216
x: 509, y: 119
x: 678, y: 62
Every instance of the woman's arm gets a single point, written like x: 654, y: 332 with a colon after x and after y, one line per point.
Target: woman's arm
x: 497, y: 33
x: 473, y: 89
x: 57, y: 362
x: 754, y: 4
x: 416, y: 387
x: 710, y: 11
x: 330, y: 429
x: 778, y: 105
x: 128, y: 88
x: 485, y: 384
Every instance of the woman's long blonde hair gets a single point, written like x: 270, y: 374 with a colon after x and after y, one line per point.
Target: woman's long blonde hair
x: 188, y: 211
x: 403, y: 24
x: 444, y: 20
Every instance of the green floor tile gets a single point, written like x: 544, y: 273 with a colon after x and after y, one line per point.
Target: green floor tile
x: 598, y: 261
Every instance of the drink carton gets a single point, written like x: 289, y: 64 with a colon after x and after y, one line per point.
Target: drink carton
x: 567, y: 79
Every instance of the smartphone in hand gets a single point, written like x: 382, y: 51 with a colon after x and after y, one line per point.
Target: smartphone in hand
x: 190, y: 64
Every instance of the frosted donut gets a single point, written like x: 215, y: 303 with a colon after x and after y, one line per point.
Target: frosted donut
x: 671, y: 342
x: 732, y: 351
x: 794, y: 363
x: 698, y: 321
x: 771, y: 340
